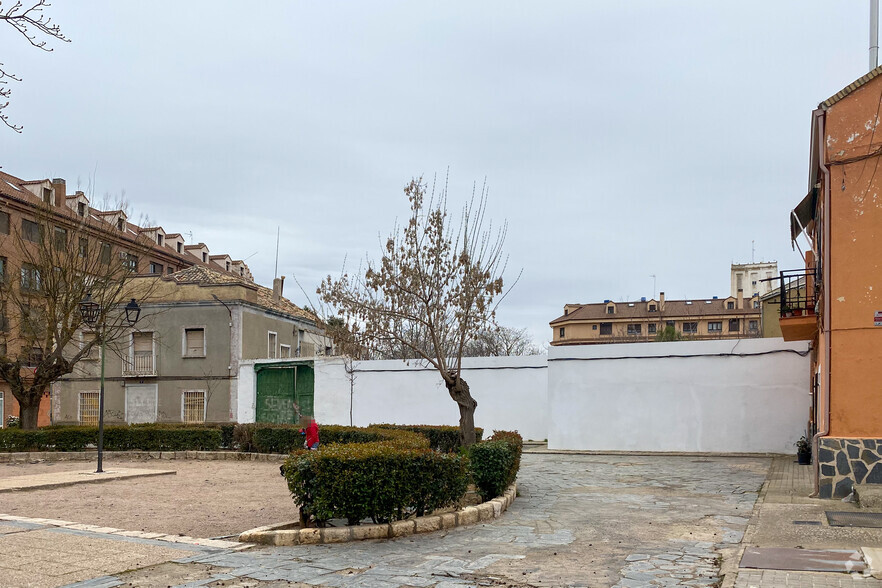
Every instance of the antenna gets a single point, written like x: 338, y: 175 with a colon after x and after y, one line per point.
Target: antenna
x: 874, y: 34
x: 752, y: 251
x: 191, y: 236
x: 276, y: 271
x: 653, y: 284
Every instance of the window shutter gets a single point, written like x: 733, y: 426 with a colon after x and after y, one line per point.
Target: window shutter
x: 143, y: 342
x: 195, y: 341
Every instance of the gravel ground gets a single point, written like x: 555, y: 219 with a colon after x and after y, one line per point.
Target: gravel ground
x: 204, y: 498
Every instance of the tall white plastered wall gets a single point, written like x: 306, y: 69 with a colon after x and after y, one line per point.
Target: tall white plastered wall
x: 748, y: 395
x: 510, y: 391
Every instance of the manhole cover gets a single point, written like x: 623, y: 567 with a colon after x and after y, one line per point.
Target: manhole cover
x: 855, y: 519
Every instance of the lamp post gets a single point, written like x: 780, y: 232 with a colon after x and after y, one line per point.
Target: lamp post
x: 91, y: 312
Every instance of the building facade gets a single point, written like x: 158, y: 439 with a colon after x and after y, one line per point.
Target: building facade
x: 641, y: 321
x: 180, y: 363
x: 33, y: 209
x: 841, y: 311
x: 753, y: 278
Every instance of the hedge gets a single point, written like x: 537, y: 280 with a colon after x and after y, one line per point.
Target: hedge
x: 270, y: 438
x: 441, y: 438
x: 381, y: 480
x: 153, y: 437
x: 495, y: 463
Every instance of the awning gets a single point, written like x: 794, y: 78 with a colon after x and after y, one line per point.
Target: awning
x: 803, y: 214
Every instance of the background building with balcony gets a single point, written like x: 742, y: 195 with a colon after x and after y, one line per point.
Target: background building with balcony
x: 839, y: 309
x: 642, y: 320
x: 181, y: 363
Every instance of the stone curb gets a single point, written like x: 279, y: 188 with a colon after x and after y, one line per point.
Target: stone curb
x: 284, y: 534
x: 648, y: 453
x: 216, y: 543
x: 98, y: 479
x: 28, y: 456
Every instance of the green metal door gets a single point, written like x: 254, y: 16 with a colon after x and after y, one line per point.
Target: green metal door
x: 284, y: 392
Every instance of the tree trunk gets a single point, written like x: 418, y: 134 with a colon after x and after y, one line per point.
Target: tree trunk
x: 29, y: 415
x: 459, y: 391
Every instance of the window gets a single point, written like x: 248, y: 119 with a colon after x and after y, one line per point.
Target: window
x: 141, y: 362
x: 730, y: 305
x: 87, y: 337
x: 4, y: 325
x: 204, y: 257
x: 47, y: 195
x: 228, y: 266
x: 756, y: 303
x: 284, y: 351
x: 610, y: 310
x: 690, y: 327
x: 35, y: 357
x: 194, y: 342
x: 30, y: 277
x: 715, y: 327
x: 2, y: 269
x: 121, y: 224
x: 271, y: 346
x: 753, y: 325
x: 193, y: 406
x: 734, y: 327
x: 159, y: 238
x: 650, y: 329
x: 105, y: 253
x: 81, y: 208
x: 307, y: 349
x: 180, y: 247
x: 155, y: 268
x: 88, y: 408
x: 169, y: 270
x: 606, y: 328
x: 4, y: 223
x: 241, y: 271
x: 562, y: 332
x: 84, y: 247
x: 652, y: 308
x: 30, y: 230
x: 635, y: 329
x: 130, y: 261
x: 60, y: 238
x: 593, y: 327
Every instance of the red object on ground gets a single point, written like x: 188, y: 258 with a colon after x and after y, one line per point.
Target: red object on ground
x: 312, y: 434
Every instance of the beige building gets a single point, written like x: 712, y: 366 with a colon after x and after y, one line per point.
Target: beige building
x: 180, y: 362
x: 640, y: 321
x: 753, y: 278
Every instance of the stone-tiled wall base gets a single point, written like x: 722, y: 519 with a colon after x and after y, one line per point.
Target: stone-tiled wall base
x: 846, y: 462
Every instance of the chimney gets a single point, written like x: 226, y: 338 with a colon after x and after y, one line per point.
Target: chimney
x: 278, y: 286
x: 740, y: 304
x: 661, y: 301
x: 60, y: 187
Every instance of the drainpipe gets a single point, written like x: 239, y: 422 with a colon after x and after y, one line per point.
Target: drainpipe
x: 230, y: 365
x: 825, y: 325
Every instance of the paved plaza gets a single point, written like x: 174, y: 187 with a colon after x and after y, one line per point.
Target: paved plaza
x: 580, y: 520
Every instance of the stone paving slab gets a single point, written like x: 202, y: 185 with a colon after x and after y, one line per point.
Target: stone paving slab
x: 784, y: 579
x: 59, y: 479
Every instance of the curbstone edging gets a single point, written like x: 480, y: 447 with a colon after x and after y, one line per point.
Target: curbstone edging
x: 28, y: 456
x: 283, y: 534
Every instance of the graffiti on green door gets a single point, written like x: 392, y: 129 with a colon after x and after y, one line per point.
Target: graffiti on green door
x: 284, y: 392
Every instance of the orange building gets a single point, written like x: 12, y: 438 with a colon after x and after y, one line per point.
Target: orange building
x: 841, y: 308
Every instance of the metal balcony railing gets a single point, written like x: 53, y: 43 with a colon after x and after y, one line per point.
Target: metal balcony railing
x: 797, y: 290
x: 142, y: 363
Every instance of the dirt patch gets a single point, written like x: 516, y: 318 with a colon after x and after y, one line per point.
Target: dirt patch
x: 204, y: 498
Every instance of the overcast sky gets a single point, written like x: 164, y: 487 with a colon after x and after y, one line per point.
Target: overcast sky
x: 619, y: 139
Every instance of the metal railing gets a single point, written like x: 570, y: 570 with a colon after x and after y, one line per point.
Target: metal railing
x: 797, y: 291
x: 142, y: 363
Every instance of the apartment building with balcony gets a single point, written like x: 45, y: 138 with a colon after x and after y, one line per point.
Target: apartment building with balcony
x: 30, y: 209
x: 839, y: 307
x: 642, y: 320
x: 181, y: 361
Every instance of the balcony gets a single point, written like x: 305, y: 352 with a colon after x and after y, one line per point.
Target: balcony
x: 140, y: 365
x: 796, y: 292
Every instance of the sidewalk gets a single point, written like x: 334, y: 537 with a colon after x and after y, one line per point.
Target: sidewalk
x: 785, y: 516
x: 61, y: 479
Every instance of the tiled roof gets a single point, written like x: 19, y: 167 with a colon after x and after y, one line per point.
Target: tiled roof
x: 206, y: 276
x: 673, y: 308
x: 873, y: 73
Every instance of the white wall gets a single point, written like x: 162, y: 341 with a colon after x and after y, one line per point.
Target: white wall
x: 510, y: 391
x: 633, y: 397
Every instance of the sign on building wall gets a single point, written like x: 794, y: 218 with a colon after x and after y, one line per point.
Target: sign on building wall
x: 877, y: 318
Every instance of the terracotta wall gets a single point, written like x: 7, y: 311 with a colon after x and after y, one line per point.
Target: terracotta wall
x: 854, y: 129
x: 10, y: 407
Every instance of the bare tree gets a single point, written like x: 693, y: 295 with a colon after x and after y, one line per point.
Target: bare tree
x: 61, y: 259
x: 30, y: 21
x: 495, y: 340
x: 434, y: 288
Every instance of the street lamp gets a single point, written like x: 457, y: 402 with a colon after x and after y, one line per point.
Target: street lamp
x: 91, y: 312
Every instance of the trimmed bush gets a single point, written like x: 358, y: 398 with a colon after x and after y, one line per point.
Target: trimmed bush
x: 441, y: 437
x: 381, y: 480
x: 269, y: 438
x: 153, y: 437
x: 495, y: 463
